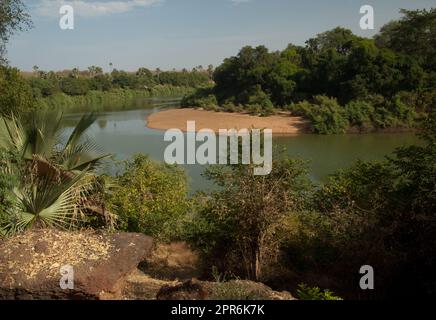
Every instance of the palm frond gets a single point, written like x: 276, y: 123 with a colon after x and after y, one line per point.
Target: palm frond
x: 85, y: 122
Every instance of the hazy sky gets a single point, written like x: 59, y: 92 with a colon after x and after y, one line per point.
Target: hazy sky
x: 181, y: 33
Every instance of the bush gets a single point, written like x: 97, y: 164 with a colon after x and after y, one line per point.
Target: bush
x: 44, y: 87
x: 74, y: 87
x: 300, y: 109
x: 202, y: 98
x: 7, y: 183
x: 307, y: 293
x: 402, y: 111
x: 327, y: 116
x: 234, y: 227
x: 151, y: 198
x: 259, y: 97
x: 15, y: 93
x: 359, y: 114
x: 229, y: 107
x: 379, y: 214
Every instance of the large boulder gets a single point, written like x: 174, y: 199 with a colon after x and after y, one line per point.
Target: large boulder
x: 31, y: 264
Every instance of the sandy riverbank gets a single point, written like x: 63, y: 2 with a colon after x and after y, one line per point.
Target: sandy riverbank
x: 177, y: 118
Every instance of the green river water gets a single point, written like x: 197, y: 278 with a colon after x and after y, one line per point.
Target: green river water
x: 123, y: 132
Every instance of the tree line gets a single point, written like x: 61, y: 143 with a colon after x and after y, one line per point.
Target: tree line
x: 337, y: 80
x: 77, y: 82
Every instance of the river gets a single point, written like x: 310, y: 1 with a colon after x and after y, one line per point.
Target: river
x: 123, y: 132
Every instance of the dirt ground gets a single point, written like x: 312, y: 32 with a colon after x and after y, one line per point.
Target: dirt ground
x: 281, y: 124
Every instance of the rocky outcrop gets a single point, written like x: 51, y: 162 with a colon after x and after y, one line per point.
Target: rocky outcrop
x: 140, y: 286
x: 188, y: 290
x: 97, y: 263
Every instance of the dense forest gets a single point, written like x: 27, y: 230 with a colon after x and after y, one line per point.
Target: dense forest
x: 338, y: 80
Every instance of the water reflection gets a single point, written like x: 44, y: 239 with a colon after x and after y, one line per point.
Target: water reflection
x: 123, y: 132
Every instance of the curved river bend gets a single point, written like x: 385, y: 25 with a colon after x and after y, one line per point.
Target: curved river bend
x: 123, y: 132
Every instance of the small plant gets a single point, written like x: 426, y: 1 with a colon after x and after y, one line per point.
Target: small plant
x: 222, y: 277
x: 304, y: 292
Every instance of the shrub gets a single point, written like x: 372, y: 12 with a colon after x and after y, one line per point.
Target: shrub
x: 74, y: 87
x: 8, y: 181
x: 359, y: 114
x: 379, y: 214
x: 44, y: 87
x: 327, y: 116
x: 234, y: 227
x: 15, y: 93
x: 151, y: 198
x: 229, y: 107
x: 254, y: 109
x: 300, y: 109
x: 259, y: 97
x: 305, y: 292
x: 383, y: 118
x: 202, y: 98
x: 403, y: 112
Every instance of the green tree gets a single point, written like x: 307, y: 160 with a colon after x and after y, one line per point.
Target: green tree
x: 235, y: 226
x: 13, y: 18
x: 383, y: 214
x: 15, y: 92
x: 151, y: 198
x: 414, y: 34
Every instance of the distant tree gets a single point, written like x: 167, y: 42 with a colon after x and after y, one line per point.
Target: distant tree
x: 13, y: 18
x: 158, y: 71
x: 94, y: 71
x: 144, y: 72
x: 210, y: 70
x: 75, y: 73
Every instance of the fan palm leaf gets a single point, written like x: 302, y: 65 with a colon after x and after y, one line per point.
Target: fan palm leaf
x: 42, y: 135
x: 48, y: 204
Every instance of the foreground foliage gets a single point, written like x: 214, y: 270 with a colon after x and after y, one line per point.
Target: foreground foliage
x: 151, y: 198
x: 47, y: 177
x: 240, y: 220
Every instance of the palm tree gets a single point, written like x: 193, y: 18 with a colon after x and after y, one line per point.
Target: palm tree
x: 57, y: 185
x: 75, y: 73
x: 45, y: 202
x: 42, y: 135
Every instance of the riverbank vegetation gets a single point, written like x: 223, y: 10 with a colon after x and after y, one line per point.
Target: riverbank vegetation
x: 279, y: 229
x: 41, y: 90
x: 338, y: 81
x: 23, y: 92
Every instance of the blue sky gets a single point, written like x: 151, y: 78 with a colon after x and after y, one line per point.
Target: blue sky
x: 181, y: 33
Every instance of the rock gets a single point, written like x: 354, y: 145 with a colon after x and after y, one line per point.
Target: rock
x: 189, y: 290
x: 30, y: 263
x: 244, y: 290
x: 232, y: 290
